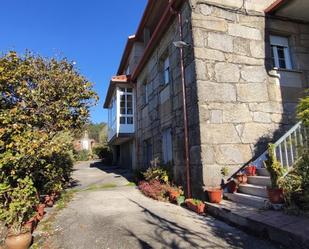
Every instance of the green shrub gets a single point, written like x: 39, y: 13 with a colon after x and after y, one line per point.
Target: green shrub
x: 274, y: 167
x: 104, y: 153
x: 82, y: 155
x: 157, y: 173
x: 303, y: 109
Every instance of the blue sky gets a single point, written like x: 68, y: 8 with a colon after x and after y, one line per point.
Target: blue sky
x: 91, y: 32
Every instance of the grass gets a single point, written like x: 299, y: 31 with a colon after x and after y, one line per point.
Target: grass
x: 102, y: 186
x: 131, y: 184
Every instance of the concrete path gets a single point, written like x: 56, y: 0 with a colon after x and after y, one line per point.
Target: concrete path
x: 121, y: 217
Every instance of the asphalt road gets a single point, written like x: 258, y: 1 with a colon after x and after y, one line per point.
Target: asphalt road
x: 117, y: 216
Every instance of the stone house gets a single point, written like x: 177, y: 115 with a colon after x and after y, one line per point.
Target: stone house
x: 245, y: 65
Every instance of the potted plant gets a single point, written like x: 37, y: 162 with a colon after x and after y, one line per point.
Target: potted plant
x: 215, y: 193
x: 18, y: 212
x: 180, y: 200
x: 276, y: 171
x: 196, y: 205
x: 241, y: 178
x: 250, y: 170
x: 174, y: 193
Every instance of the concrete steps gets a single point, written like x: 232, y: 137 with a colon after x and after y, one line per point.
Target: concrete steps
x: 259, y: 180
x: 248, y: 200
x: 255, y: 190
x: 262, y: 172
x: 286, y: 230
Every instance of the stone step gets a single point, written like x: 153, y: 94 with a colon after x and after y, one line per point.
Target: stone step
x: 249, y: 200
x: 271, y: 225
x: 259, y: 180
x: 262, y: 172
x: 251, y: 189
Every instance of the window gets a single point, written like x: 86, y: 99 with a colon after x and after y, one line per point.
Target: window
x: 126, y: 105
x: 167, y: 148
x: 280, y: 52
x: 166, y: 70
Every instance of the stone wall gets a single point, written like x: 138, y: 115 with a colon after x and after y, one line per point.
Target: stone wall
x: 241, y: 102
x: 164, y: 108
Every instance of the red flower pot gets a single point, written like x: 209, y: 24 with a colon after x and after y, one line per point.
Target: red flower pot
x: 40, y: 211
x: 275, y: 196
x: 250, y: 170
x: 173, y: 196
x: 215, y: 195
x: 242, y: 178
x: 49, y: 201
x: 198, y: 208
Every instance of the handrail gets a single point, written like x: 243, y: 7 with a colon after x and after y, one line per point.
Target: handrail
x: 277, y: 144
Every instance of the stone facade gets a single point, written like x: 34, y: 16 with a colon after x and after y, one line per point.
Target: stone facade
x: 242, y: 102
x: 236, y: 102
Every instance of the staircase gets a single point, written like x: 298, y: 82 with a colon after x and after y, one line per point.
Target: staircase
x: 254, y: 193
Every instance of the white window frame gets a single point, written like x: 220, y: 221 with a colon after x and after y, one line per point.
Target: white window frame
x: 126, y: 115
x: 281, y: 41
x: 167, y: 146
x: 166, y: 70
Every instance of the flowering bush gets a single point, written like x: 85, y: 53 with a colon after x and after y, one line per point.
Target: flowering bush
x: 157, y: 173
x: 154, y: 189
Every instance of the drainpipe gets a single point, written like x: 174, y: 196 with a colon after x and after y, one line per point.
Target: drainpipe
x: 184, y: 101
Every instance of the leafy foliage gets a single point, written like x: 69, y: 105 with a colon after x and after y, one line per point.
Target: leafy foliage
x: 154, y: 189
x: 274, y: 167
x: 104, y: 153
x: 157, y: 173
x: 303, y: 109
x: 42, y: 102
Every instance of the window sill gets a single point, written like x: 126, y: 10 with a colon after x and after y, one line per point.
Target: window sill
x: 286, y: 70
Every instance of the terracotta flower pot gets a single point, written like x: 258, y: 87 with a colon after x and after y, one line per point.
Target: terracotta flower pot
x: 49, y: 201
x: 232, y: 186
x: 40, y: 211
x: 215, y: 195
x: 275, y: 196
x: 21, y: 241
x: 250, y: 170
x: 173, y: 196
x: 198, y: 208
x: 242, y: 178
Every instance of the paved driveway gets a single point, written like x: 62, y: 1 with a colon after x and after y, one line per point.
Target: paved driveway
x: 121, y: 217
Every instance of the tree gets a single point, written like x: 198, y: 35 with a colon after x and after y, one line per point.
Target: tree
x: 42, y: 102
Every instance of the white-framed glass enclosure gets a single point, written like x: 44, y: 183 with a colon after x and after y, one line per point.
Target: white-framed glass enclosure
x: 121, y: 112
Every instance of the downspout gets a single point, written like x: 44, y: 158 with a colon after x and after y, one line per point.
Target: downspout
x: 184, y: 101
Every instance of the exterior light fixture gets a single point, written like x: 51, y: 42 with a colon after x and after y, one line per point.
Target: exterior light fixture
x: 181, y: 44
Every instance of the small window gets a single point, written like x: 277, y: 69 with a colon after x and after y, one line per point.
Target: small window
x: 130, y: 120
x: 280, y: 52
x: 166, y: 70
x: 167, y: 148
x: 122, y: 120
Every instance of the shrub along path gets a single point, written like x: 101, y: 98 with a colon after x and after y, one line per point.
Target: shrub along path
x: 108, y: 212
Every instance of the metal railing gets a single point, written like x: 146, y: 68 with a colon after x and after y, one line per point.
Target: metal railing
x: 286, y: 148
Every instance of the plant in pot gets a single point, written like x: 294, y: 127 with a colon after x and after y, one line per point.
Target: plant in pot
x: 215, y: 193
x: 174, y: 193
x: 196, y: 205
x: 250, y: 170
x: 276, y: 171
x: 16, y: 211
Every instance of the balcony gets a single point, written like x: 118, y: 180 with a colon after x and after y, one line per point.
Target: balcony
x: 120, y: 105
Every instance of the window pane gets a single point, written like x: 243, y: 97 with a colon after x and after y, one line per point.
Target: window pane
x: 122, y: 120
x: 129, y: 111
x: 282, y: 63
x: 166, y: 76
x: 280, y: 52
x: 130, y: 120
x: 129, y: 90
x: 122, y: 89
x: 122, y: 110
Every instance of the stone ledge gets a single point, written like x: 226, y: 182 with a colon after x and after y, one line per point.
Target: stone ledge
x: 287, y: 230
